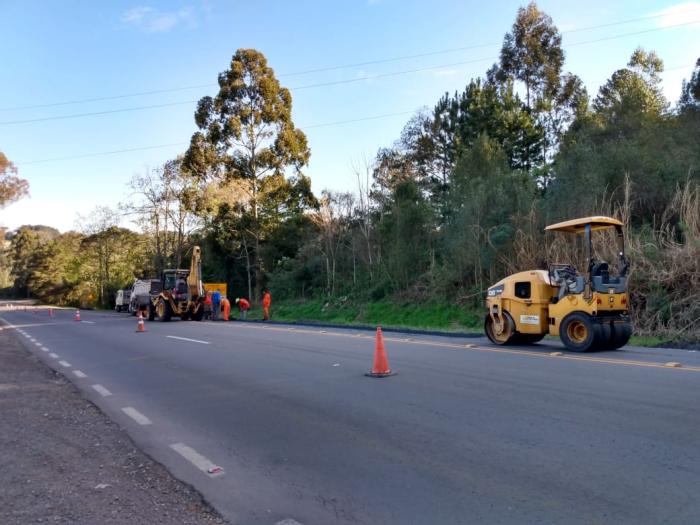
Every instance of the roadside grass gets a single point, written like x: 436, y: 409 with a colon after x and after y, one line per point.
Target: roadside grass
x: 429, y: 316
x: 649, y: 340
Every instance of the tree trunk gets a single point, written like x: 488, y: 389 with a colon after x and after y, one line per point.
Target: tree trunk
x: 247, y: 269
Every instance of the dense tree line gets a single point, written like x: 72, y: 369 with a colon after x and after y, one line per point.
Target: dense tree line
x: 457, y: 202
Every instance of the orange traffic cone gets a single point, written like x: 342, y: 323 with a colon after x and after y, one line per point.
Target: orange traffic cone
x: 381, y: 363
x: 76, y: 317
x: 139, y: 325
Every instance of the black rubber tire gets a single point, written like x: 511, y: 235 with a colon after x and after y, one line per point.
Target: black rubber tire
x: 621, y: 333
x: 592, y: 334
x: 167, y: 311
x: 603, y: 336
x: 198, y: 314
x: 151, y: 312
x: 487, y: 329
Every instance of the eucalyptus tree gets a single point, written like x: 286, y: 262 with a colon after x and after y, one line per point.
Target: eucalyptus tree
x: 246, y: 133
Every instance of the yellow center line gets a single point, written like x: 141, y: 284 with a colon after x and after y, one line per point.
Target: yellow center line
x: 468, y: 346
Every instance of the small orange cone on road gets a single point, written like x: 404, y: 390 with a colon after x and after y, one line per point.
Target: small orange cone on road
x: 381, y: 363
x: 76, y: 317
x: 139, y: 325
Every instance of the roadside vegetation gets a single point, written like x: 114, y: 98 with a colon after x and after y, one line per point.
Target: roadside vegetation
x: 455, y: 204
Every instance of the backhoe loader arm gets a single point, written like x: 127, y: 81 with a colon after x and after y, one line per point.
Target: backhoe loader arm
x: 194, y: 279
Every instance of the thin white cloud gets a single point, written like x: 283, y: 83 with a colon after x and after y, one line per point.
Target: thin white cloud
x: 678, y: 14
x: 151, y: 20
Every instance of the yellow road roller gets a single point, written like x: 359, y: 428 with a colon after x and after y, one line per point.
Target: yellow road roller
x: 588, y: 310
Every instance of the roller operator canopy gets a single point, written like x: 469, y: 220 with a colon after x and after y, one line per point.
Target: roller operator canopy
x: 597, y: 222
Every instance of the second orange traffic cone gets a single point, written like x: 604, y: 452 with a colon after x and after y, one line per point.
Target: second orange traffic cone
x: 76, y: 317
x: 381, y: 363
x: 139, y: 325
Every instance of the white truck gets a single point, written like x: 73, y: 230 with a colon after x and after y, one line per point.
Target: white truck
x: 121, y: 302
x: 141, y: 293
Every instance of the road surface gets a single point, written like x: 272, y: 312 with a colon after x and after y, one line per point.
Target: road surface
x: 275, y: 423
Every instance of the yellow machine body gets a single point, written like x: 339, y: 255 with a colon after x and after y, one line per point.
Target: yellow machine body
x: 586, y: 311
x: 182, y: 293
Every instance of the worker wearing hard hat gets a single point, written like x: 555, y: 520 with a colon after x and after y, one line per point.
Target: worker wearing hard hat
x: 243, y: 306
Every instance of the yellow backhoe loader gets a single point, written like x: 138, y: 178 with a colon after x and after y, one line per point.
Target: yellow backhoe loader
x: 588, y: 310
x: 181, y: 294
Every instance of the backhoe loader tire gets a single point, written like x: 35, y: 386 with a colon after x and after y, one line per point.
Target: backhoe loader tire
x: 508, y: 331
x: 151, y: 312
x: 578, y: 332
x: 164, y: 312
x: 198, y: 314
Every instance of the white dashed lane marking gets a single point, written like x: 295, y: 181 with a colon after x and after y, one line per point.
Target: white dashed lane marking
x: 64, y: 363
x: 55, y: 356
x: 197, y: 459
x: 79, y: 374
x: 37, y: 343
x: 102, y: 390
x: 45, y: 349
x: 187, y: 339
x: 136, y: 416
x: 89, y: 322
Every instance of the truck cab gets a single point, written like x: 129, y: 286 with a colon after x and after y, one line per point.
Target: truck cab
x: 121, y: 301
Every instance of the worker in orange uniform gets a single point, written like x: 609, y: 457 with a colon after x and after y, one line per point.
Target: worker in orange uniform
x: 267, y: 300
x: 207, y: 306
x: 243, y: 306
x: 226, y: 307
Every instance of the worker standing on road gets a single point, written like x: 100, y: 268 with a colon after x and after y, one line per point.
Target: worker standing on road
x: 226, y: 307
x: 266, y: 302
x: 243, y: 306
x: 207, y: 305
x: 215, y: 305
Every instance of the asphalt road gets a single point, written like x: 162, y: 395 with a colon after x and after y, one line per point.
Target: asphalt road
x: 465, y: 433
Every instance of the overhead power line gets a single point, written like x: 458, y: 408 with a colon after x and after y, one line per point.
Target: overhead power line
x: 100, y: 154
x: 94, y: 113
x: 462, y: 48
x: 350, y: 65
x: 311, y: 126
x: 173, y: 144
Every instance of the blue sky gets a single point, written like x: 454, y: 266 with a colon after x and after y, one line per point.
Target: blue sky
x: 72, y: 50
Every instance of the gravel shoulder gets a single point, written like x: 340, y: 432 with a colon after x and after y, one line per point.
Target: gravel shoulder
x: 63, y: 461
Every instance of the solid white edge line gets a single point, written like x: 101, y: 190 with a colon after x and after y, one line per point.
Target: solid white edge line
x: 188, y: 339
x: 136, y: 416
x: 55, y: 356
x: 79, y: 374
x: 194, y: 457
x: 102, y: 390
x: 64, y: 363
